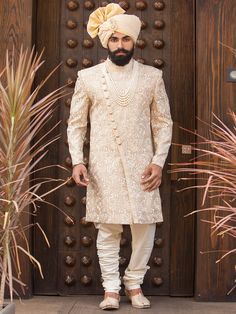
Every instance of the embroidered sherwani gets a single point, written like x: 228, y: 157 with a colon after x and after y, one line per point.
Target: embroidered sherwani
x: 124, y: 139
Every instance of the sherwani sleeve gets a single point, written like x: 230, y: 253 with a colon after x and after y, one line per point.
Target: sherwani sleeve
x: 78, y: 120
x: 161, y: 123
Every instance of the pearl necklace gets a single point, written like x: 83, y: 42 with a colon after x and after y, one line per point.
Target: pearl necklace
x: 123, y: 97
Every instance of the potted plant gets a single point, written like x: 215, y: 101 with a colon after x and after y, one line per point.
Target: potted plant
x: 22, y: 116
x: 214, y: 173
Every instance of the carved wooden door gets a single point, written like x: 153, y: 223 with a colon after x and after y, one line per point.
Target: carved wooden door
x: 166, y: 42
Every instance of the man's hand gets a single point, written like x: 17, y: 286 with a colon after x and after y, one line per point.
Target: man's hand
x: 80, y: 175
x: 151, y: 177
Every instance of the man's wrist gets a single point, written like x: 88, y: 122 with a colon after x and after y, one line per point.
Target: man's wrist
x: 153, y: 163
x: 78, y: 164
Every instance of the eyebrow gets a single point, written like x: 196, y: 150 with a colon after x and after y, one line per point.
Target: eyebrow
x: 115, y: 37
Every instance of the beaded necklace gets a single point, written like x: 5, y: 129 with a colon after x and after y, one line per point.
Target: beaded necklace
x: 123, y: 97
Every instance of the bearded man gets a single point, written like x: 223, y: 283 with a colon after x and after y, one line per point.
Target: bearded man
x: 130, y: 135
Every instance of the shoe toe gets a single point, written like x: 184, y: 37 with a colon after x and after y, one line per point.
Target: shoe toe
x: 109, y: 304
x: 140, y: 301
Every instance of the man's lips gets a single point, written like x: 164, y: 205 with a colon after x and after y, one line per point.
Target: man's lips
x: 120, y: 53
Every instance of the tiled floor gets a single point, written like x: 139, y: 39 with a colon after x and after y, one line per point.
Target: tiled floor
x: 89, y: 305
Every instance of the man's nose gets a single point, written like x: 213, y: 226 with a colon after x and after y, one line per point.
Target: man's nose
x: 120, y: 44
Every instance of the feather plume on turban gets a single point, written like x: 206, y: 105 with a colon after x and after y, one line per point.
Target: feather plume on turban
x: 110, y: 19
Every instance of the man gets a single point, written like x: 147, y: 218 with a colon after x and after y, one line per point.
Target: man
x: 130, y: 134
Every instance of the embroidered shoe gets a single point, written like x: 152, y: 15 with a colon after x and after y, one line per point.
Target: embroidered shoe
x: 138, y: 300
x: 110, y: 302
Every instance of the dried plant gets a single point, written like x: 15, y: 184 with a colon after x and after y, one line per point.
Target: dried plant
x: 22, y: 117
x: 215, y: 170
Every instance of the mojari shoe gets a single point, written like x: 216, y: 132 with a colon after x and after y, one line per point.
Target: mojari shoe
x: 138, y: 300
x: 110, y: 302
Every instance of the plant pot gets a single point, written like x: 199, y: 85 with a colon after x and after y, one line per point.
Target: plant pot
x: 8, y: 309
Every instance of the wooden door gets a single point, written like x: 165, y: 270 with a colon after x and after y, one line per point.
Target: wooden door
x: 166, y: 42
x: 216, y: 94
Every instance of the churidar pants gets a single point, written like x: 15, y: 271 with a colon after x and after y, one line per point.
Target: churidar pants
x: 108, y: 247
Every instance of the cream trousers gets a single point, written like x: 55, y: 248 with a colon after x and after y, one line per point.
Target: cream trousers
x: 108, y: 247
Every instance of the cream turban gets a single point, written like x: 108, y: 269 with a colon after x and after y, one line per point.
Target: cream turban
x: 110, y: 19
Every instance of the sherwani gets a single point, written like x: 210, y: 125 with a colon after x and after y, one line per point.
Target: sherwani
x: 124, y: 140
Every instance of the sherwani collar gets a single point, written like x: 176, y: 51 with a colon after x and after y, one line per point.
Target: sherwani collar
x: 112, y: 67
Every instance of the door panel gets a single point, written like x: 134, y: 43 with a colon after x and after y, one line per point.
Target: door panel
x: 46, y: 36
x: 182, y: 95
x: 167, y: 28
x: 215, y: 94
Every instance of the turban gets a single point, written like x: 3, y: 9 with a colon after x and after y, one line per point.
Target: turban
x: 110, y: 19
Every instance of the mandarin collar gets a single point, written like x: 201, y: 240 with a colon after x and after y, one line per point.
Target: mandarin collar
x: 116, y: 68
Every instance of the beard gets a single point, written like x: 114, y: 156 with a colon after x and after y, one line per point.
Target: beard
x: 122, y: 59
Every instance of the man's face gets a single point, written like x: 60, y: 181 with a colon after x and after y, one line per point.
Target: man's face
x: 120, y: 48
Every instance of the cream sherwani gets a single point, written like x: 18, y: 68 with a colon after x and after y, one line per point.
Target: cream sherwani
x: 124, y: 140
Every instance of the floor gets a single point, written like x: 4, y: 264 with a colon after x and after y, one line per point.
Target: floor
x: 89, y: 305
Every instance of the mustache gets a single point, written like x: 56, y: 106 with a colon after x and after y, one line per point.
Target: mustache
x: 121, y: 50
